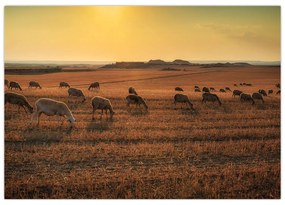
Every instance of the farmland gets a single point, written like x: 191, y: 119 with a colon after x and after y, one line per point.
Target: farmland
x: 228, y: 151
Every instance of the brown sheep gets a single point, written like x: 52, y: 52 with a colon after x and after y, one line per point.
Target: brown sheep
x: 7, y: 83
x: 263, y: 92
x: 278, y: 85
x: 278, y: 92
x: 211, y: 98
x: 76, y: 92
x: 257, y: 96
x: 222, y: 90
x: 18, y: 99
x: 235, y: 85
x: 197, y: 90
x: 132, y: 91
x: 212, y: 89
x: 196, y: 86
x: 64, y: 84
x: 180, y: 98
x: 206, y: 90
x: 237, y: 92
x: 137, y: 100
x: 14, y: 85
x: 102, y: 104
x: 270, y: 92
x: 94, y: 85
x: 178, y: 89
x: 34, y: 84
x: 227, y: 88
x: 52, y: 107
x: 246, y: 97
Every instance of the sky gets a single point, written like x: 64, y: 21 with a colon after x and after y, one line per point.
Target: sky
x: 141, y: 33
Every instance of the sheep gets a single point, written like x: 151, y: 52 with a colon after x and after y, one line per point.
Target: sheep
x: 212, y: 89
x: 237, y: 92
x: 257, y: 96
x: 64, y: 84
x: 103, y: 104
x: 18, y: 99
x: 136, y: 99
x: 235, y: 85
x: 15, y: 85
x: 263, y: 92
x: 180, y: 98
x: 241, y: 84
x: 246, y: 97
x: 178, y: 89
x: 76, y: 92
x: 248, y: 84
x: 270, y: 92
x: 206, y: 90
x: 132, y: 91
x: 52, y: 107
x: 278, y: 85
x: 278, y: 92
x: 94, y: 85
x: 197, y: 90
x: 7, y: 83
x: 227, y: 88
x: 34, y: 84
x: 211, y: 97
x: 196, y: 86
x: 222, y: 90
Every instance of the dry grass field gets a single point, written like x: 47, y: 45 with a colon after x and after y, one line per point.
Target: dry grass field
x: 229, y: 151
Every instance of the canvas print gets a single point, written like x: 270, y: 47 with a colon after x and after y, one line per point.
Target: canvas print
x: 142, y: 102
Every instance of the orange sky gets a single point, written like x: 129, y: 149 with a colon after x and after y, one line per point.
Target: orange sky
x: 129, y: 33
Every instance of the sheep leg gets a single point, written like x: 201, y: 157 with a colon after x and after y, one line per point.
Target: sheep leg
x: 94, y: 110
x: 174, y: 105
x: 39, y: 115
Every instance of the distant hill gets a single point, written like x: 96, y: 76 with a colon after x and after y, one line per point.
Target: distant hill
x: 181, y: 62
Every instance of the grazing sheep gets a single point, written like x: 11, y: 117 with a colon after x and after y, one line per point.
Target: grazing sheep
x: 180, y: 98
x: 244, y: 84
x: 246, y: 97
x: 227, y: 88
x: 206, y: 90
x: 196, y: 86
x: 257, y: 96
x: 222, y: 90
x: 197, y: 90
x: 52, y: 107
x: 211, y: 97
x: 76, y: 92
x: 241, y: 84
x: 18, y: 99
x: 248, y: 84
x: 7, y: 83
x: 132, y: 91
x: 212, y: 89
x: 278, y: 85
x: 278, y: 92
x: 179, y: 89
x: 270, y: 92
x: 103, y: 104
x: 136, y: 99
x: 94, y: 85
x: 64, y: 84
x: 14, y: 85
x: 34, y: 84
x: 263, y: 92
x: 235, y: 85
x: 237, y: 92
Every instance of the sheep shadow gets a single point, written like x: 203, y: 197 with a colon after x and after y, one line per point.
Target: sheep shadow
x: 41, y: 135
x: 99, y: 125
x: 137, y: 112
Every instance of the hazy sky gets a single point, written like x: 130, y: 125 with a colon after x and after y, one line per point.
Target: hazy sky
x: 121, y: 33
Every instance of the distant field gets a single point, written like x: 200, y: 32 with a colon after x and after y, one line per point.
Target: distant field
x: 232, y: 151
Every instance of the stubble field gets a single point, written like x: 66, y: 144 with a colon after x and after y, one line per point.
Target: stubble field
x: 228, y: 151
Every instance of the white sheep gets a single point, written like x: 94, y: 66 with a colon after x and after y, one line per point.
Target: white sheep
x: 52, y: 107
x: 103, y: 104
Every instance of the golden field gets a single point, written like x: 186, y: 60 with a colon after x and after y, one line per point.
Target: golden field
x: 229, y: 151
